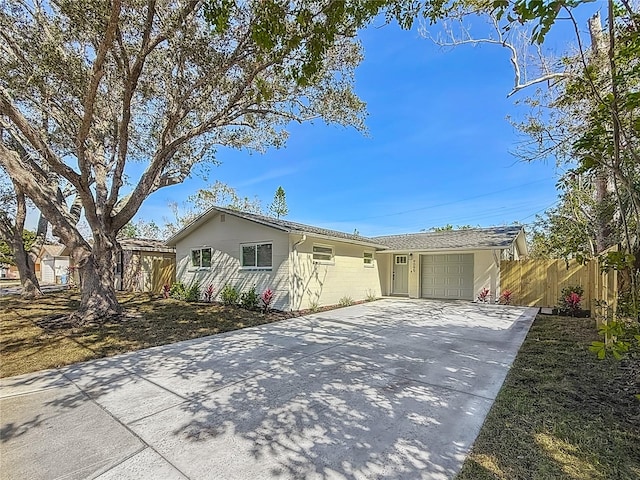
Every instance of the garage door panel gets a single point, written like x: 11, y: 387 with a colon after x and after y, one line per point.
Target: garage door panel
x: 447, y: 276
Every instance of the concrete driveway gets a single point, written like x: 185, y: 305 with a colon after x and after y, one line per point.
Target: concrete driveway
x: 394, y: 389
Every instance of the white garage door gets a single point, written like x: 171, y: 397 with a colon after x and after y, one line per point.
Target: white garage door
x: 447, y: 276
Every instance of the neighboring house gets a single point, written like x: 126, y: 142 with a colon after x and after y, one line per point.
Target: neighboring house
x: 9, y: 272
x: 306, y: 265
x: 144, y: 265
x: 52, y: 265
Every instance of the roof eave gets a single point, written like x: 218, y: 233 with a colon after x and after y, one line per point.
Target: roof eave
x: 427, y: 250
x: 354, y: 241
x: 210, y: 213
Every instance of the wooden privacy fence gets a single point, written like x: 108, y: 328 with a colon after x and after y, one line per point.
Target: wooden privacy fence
x: 538, y: 283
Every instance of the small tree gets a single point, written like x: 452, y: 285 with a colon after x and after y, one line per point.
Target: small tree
x: 279, y: 206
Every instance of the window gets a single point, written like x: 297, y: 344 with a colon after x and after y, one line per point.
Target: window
x: 323, y: 253
x: 256, y: 255
x: 201, y: 258
x: 368, y: 259
x: 401, y: 259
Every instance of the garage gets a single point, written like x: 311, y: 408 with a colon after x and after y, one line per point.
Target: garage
x: 447, y: 276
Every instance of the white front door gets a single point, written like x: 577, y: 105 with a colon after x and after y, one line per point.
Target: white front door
x: 400, y: 275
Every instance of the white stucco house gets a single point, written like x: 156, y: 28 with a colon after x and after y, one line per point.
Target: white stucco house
x: 52, y: 264
x: 306, y: 265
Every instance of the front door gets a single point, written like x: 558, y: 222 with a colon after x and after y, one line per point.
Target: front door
x: 400, y: 275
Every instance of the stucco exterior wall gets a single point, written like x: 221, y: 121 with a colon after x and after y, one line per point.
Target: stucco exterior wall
x: 486, y: 273
x: 385, y: 267
x: 53, y: 269
x: 321, y: 283
x: 225, y: 239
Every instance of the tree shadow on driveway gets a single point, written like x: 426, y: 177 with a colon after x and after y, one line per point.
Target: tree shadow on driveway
x: 384, y: 391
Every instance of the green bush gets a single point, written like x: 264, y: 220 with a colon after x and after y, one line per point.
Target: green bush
x: 345, y: 301
x: 249, y: 299
x: 181, y: 292
x: 177, y: 291
x: 192, y: 293
x: 229, y: 295
x: 314, y: 306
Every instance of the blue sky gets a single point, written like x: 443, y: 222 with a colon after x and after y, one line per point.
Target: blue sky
x: 438, y: 149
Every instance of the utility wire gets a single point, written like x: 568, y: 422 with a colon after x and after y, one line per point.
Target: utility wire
x: 450, y: 203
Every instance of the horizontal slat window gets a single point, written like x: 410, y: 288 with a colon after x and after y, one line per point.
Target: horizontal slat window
x: 323, y: 253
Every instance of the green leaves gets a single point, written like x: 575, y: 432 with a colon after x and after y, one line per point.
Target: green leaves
x: 542, y: 13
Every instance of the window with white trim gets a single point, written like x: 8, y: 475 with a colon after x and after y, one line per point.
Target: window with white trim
x: 323, y: 253
x: 368, y: 259
x: 256, y: 255
x: 201, y: 257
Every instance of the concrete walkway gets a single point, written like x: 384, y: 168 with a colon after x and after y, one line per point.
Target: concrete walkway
x: 394, y: 389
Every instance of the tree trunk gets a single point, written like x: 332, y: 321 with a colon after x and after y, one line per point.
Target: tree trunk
x: 98, y: 300
x: 26, y: 269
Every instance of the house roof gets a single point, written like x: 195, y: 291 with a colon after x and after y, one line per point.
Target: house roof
x: 471, y: 239
x: 53, y: 250
x: 278, y: 224
x: 145, y: 245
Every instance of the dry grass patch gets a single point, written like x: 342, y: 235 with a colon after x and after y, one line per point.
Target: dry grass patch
x: 34, y: 336
x: 562, y: 413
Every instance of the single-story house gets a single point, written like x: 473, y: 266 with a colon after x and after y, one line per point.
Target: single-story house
x: 52, y: 264
x: 144, y: 265
x: 306, y: 265
x: 9, y: 272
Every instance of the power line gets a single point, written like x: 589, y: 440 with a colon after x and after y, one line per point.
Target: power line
x: 449, y: 203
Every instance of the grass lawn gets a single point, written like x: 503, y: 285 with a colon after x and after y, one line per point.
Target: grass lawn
x: 31, y: 338
x: 561, y: 413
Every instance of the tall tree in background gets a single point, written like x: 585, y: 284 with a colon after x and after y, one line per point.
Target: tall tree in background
x: 22, y: 246
x: 218, y: 194
x: 594, y: 114
x: 160, y: 83
x: 278, y: 207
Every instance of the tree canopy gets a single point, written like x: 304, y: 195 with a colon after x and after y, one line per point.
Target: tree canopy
x: 89, y: 88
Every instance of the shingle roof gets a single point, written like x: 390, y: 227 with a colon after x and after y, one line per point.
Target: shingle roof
x: 53, y: 250
x: 473, y: 238
x: 145, y: 244
x: 280, y: 224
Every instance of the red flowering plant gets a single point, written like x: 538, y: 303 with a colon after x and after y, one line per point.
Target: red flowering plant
x: 506, y: 297
x: 266, y: 299
x: 483, y: 296
x: 166, y: 288
x: 571, y: 298
x: 208, y: 293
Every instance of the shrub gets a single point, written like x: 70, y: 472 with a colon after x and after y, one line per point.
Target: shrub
x: 571, y: 298
x: 314, y: 306
x: 371, y: 296
x: 345, y: 301
x: 229, y: 295
x: 266, y: 298
x: 188, y: 294
x: 483, y: 296
x: 166, y: 288
x: 208, y: 293
x: 177, y: 291
x: 506, y: 297
x: 249, y: 299
x: 192, y: 293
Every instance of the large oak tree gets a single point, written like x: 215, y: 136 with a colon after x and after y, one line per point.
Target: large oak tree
x: 90, y: 87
